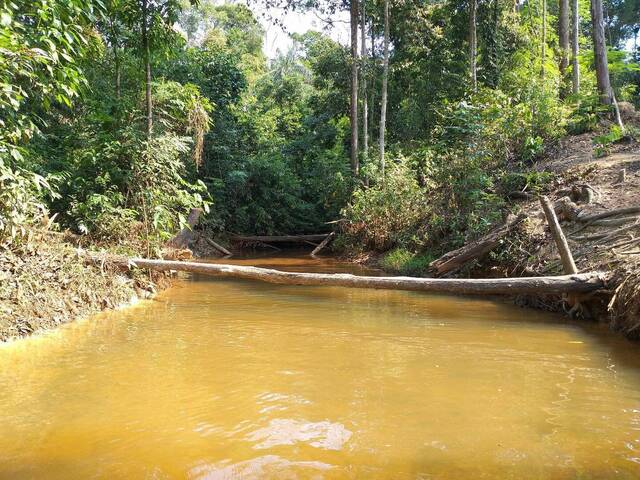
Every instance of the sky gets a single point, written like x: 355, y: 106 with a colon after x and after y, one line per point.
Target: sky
x: 276, y: 38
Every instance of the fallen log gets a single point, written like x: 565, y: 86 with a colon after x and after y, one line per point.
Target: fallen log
x: 218, y: 247
x: 476, y: 249
x: 583, y: 217
x: 323, y: 244
x: 279, y: 238
x: 578, y: 283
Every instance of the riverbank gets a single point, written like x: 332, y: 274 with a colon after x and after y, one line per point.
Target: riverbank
x: 584, y: 180
x: 44, y: 284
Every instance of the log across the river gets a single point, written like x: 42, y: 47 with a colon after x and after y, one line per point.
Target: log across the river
x: 280, y: 238
x: 578, y: 283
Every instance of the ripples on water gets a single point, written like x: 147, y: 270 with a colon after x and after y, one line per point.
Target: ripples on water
x: 223, y: 379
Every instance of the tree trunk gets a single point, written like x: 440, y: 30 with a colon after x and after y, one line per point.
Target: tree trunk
x: 579, y: 283
x: 323, y: 244
x: 147, y: 65
x: 473, y: 43
x: 363, y: 76
x: 600, y: 53
x: 279, y: 238
x: 457, y: 258
x: 544, y: 38
x: 355, y: 167
x: 575, y: 47
x: 116, y: 57
x: 563, y: 41
x: 186, y: 236
x: 118, y: 75
x: 385, y: 82
x: 372, y: 90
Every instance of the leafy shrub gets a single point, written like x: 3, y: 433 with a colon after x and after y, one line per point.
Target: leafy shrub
x: 20, y: 199
x: 402, y: 261
x: 390, y: 212
x: 603, y: 142
x: 532, y: 182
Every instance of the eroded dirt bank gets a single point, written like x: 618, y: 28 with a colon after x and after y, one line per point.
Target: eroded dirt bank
x: 43, y: 284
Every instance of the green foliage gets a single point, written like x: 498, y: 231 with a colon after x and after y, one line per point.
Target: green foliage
x: 269, y: 139
x: 388, y: 213
x: 20, y: 204
x: 531, y: 182
x: 404, y: 262
x: 603, y: 142
x: 40, y: 43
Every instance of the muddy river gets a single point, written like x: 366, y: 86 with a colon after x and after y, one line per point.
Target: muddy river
x: 225, y: 379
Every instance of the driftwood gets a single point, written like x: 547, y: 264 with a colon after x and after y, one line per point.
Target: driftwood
x: 614, y: 222
x: 218, y: 247
x: 583, y: 217
x: 578, y: 283
x: 279, y: 238
x: 607, y: 235
x: 323, y: 244
x: 568, y: 264
x: 476, y: 249
x: 186, y: 236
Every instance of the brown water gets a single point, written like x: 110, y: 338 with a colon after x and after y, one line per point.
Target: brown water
x: 221, y: 379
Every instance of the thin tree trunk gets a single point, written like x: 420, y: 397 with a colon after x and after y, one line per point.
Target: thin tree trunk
x: 365, y: 106
x: 355, y: 167
x: 118, y: 71
x: 147, y: 65
x: 600, y: 53
x: 563, y: 41
x: 473, y: 43
x: 575, y: 47
x: 544, y: 37
x: 385, y: 81
x: 372, y: 90
x: 116, y: 57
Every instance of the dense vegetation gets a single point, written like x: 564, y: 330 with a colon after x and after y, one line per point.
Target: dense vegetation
x: 118, y: 116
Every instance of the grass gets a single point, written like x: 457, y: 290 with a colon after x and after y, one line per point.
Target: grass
x: 404, y: 262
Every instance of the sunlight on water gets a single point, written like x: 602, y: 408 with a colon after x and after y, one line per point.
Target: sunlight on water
x: 223, y: 379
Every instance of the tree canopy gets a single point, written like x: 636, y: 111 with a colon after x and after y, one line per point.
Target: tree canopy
x: 120, y: 115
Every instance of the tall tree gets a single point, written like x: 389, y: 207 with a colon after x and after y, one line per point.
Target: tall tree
x: 575, y: 47
x: 473, y: 43
x: 600, y: 53
x: 354, y: 20
x: 385, y: 81
x: 365, y: 106
x: 154, y: 20
x: 146, y: 52
x: 544, y: 38
x: 563, y: 43
x: 112, y: 29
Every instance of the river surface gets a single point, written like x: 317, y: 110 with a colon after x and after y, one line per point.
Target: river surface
x: 225, y: 379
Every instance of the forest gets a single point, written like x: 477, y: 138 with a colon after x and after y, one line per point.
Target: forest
x: 119, y: 116
x: 400, y: 239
